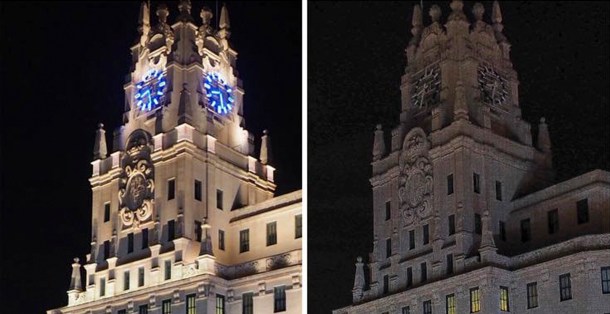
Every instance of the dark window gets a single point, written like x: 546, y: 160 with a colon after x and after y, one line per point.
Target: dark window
x: 198, y: 231
x: 386, y: 284
x: 406, y: 310
x: 411, y: 239
x: 171, y: 189
x: 171, y: 230
x: 477, y: 224
x: 191, y: 305
x: 424, y: 272
x: 606, y: 280
x: 428, y: 307
x: 388, y: 211
x: 106, y: 249
x: 451, y: 224
x: 565, y: 287
x: 450, y: 184
x: 144, y: 238
x: 476, y: 183
x: 130, y: 243
x: 198, y: 190
x: 298, y: 226
x: 525, y: 230
x: 475, y: 300
x: 409, y: 276
x: 126, y: 280
x: 504, y: 299
x: 502, y: 231
x: 219, y: 199
x: 168, y: 269
x: 582, y: 208
x: 106, y: 212
x: 247, y: 303
x: 166, y: 307
x: 532, y: 295
x: 121, y: 311
x: 426, y: 234
x: 279, y: 299
x: 140, y: 276
x: 244, y: 241
x: 449, y: 264
x: 450, y: 304
x: 271, y: 233
x: 143, y: 309
x: 498, y: 190
x: 388, y: 247
x: 102, y: 287
x: 221, y: 240
x: 553, y: 219
x: 220, y: 304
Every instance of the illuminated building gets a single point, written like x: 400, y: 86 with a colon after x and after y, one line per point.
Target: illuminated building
x: 184, y: 218
x: 467, y: 217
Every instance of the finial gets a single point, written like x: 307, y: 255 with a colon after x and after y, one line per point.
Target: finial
x: 75, y: 280
x: 100, y: 150
x: 544, y: 139
x: 457, y: 13
x: 456, y: 5
x: 416, y: 20
x: 496, y: 14
x: 76, y: 259
x: 224, y: 18
x: 435, y: 13
x: 144, y: 22
x: 378, y: 144
x: 359, y: 259
x: 185, y: 6
x: 265, y: 155
x: 478, y: 10
x: 206, y: 15
x: 359, y: 281
x: 162, y: 13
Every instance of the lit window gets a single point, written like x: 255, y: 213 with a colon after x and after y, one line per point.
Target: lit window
x: 126, y: 280
x: 553, y: 219
x: 144, y: 238
x: 171, y: 189
x: 565, y: 287
x: 498, y: 190
x: 428, y: 307
x: 171, y: 230
x: 426, y: 234
x: 424, y: 271
x: 450, y: 304
x: 198, y: 190
x: 504, y: 299
x: 388, y: 247
x: 386, y: 284
x: 476, y: 183
x: 532, y: 295
x: 106, y: 212
x: 102, y: 287
x: 279, y: 299
x: 221, y: 240
x: 220, y: 304
x: 191, y: 306
x: 388, y: 211
x: 475, y: 300
x: 198, y: 231
x: 477, y: 224
x: 298, y: 226
x: 143, y: 309
x: 606, y: 279
x: 247, y: 304
x: 525, y: 230
x: 140, y: 276
x: 411, y: 239
x: 409, y: 277
x: 450, y: 184
x: 168, y: 269
x: 406, y: 310
x: 166, y: 307
x: 130, y: 243
x: 244, y: 241
x: 219, y: 199
x: 449, y: 264
x: 271, y: 233
x: 502, y: 230
x: 582, y: 208
x: 451, y: 224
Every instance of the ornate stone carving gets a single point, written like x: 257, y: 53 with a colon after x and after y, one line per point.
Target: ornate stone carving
x: 415, y: 189
x: 136, y: 183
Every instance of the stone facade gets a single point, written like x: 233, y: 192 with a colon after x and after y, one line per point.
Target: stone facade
x: 184, y: 218
x: 465, y: 211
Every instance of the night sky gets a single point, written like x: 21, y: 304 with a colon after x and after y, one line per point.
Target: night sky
x: 62, y: 72
x: 355, y: 60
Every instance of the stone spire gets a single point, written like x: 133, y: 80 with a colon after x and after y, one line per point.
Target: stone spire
x: 358, y: 289
x: 544, y: 140
x: 184, y: 106
x: 416, y: 30
x: 100, y: 150
x: 265, y: 156
x: 224, y: 23
x: 496, y: 17
x: 144, y: 23
x: 75, y: 281
x: 378, y: 144
x: 206, y: 241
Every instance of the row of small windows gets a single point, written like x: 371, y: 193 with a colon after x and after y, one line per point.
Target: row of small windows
x: 582, y: 216
x: 476, y: 185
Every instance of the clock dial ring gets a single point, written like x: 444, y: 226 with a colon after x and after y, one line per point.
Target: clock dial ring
x: 219, y: 94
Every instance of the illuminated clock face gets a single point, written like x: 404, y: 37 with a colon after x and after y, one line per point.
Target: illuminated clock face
x: 494, y: 87
x: 219, y: 94
x: 150, y: 91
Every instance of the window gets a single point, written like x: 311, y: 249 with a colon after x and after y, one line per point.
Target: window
x: 171, y: 189
x: 525, y: 230
x: 386, y: 284
x: 102, y: 287
x: 106, y: 212
x: 144, y: 238
x: 219, y: 199
x: 171, y: 230
x: 121, y: 311
x: 221, y: 240
x: 406, y: 310
x: 279, y: 299
x: 409, y: 277
x: 168, y: 269
x: 451, y: 224
x: 198, y: 190
x: 475, y: 300
x: 428, y: 307
x: 450, y: 304
x: 198, y: 231
x: 450, y: 184
x: 140, y: 276
x: 130, y: 243
x: 477, y: 224
x: 502, y: 228
x: 106, y: 249
x: 476, y: 183
x: 220, y: 304
x: 126, y: 280
x: 388, y: 247
x: 532, y: 295
x: 605, y: 279
x: 504, y: 299
x: 244, y: 241
x: 498, y: 190
x: 565, y: 287
x: 424, y: 271
x: 449, y: 264
x: 271, y: 233
x: 411, y: 239
x: 166, y: 307
x: 388, y: 211
x: 582, y: 208
x: 191, y: 306
x: 143, y: 309
x: 298, y: 226
x: 553, y: 219
x: 247, y: 304
x: 426, y: 234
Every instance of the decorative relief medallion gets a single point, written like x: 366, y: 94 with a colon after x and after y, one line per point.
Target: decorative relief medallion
x: 136, y: 183
x: 415, y: 189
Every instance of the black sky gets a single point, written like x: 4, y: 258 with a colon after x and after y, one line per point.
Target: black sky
x: 62, y: 72
x: 355, y: 60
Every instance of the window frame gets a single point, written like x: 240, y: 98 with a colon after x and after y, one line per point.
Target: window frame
x: 191, y: 304
x: 450, y: 188
x: 582, y: 211
x: 412, y: 239
x: 409, y: 276
x: 449, y: 260
x: 565, y: 287
x: 247, y: 307
x: 166, y: 306
x: 478, y: 224
x: 167, y: 269
x: 171, y: 230
x: 526, y: 230
x: 130, y: 242
x: 553, y: 221
x: 476, y: 183
x: 475, y: 300
x: 426, y: 237
x: 141, y: 277
x: 145, y: 238
x: 171, y: 189
x: 451, y: 224
x: 219, y: 199
x: 126, y: 280
x: 423, y: 272
x: 244, y: 241
x: 605, y: 279
x: 427, y: 307
x: 221, y: 239
x: 450, y: 306
x: 279, y: 299
x: 298, y: 226
x: 107, y: 212
x: 220, y: 304
x: 498, y: 190
x: 532, y: 295
x: 504, y: 299
x: 388, y: 210
x: 272, y: 233
x: 197, y: 190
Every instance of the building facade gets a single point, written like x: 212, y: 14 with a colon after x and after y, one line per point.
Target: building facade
x: 184, y: 218
x: 467, y: 217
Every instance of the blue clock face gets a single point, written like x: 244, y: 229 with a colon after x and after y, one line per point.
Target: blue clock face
x: 150, y: 90
x: 219, y: 94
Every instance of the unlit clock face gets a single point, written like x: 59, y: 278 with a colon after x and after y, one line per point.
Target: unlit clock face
x: 426, y: 88
x: 494, y: 87
x: 219, y: 94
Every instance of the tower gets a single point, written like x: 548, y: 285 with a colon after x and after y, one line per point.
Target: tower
x: 184, y: 218
x: 464, y: 195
